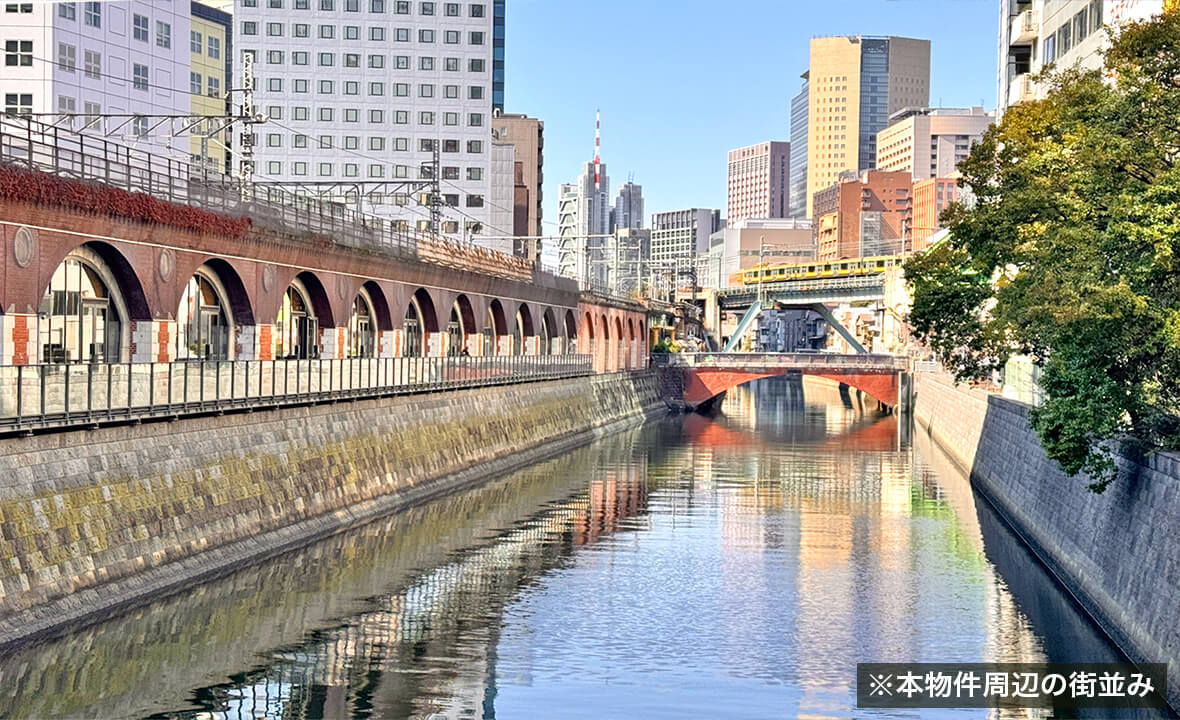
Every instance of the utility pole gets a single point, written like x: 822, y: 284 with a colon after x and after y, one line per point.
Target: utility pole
x: 436, y: 200
x: 246, y: 162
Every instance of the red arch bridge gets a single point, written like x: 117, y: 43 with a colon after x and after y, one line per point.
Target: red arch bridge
x: 704, y: 376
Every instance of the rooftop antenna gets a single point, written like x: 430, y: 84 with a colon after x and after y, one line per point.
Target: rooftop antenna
x: 597, y: 131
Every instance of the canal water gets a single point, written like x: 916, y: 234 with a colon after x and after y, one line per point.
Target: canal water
x: 729, y: 567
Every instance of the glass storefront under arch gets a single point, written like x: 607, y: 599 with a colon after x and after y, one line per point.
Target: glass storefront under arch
x: 202, y: 323
x: 362, y: 340
x: 298, y: 327
x: 412, y: 345
x: 79, y: 318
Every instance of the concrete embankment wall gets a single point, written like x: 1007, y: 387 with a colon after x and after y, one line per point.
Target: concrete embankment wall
x: 95, y: 520
x: 1117, y: 553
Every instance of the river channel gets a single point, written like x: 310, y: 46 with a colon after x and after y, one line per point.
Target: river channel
x: 729, y: 567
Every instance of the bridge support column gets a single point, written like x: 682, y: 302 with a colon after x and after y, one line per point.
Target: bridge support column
x: 386, y: 344
x: 151, y: 340
x: 332, y: 343
x: 831, y: 320
x: 503, y: 344
x: 474, y: 344
x: 436, y: 344
x: 18, y: 339
x: 254, y: 342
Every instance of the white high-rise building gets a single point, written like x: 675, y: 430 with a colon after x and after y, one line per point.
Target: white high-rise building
x: 583, y: 212
x: 930, y: 142
x: 1035, y: 33
x: 680, y: 235
x: 359, y: 91
x: 101, y: 58
x: 759, y: 181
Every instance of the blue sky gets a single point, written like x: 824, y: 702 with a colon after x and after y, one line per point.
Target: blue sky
x: 680, y: 82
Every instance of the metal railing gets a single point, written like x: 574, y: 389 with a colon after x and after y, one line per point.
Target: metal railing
x: 802, y: 361
x: 34, y: 397
x: 32, y: 144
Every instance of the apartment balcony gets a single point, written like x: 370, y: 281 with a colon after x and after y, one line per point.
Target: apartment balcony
x: 1021, y: 88
x: 1023, y: 28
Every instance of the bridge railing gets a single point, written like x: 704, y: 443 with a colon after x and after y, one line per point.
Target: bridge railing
x: 800, y: 361
x: 36, y: 397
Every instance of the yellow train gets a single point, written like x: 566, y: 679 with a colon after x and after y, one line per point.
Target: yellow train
x: 851, y: 267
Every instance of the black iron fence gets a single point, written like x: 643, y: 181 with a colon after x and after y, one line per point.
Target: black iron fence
x: 36, y: 397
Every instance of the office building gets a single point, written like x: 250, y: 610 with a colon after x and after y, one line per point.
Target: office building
x: 626, y: 254
x: 797, y: 200
x: 527, y: 135
x: 628, y: 211
x: 210, y: 52
x: 930, y: 142
x: 502, y: 186
x: 583, y: 225
x: 855, y: 83
x: 931, y: 196
x: 750, y: 241
x: 1035, y: 33
x: 758, y: 181
x: 677, y: 236
x: 359, y: 92
x: 863, y: 216
x: 128, y: 59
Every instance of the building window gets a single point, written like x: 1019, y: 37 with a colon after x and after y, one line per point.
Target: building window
x: 350, y: 170
x: 425, y: 118
x: 475, y: 173
x: 450, y: 173
x: 274, y: 29
x: 451, y: 37
x: 18, y: 53
x: 475, y: 201
x: 327, y: 59
x: 376, y: 171
x: 139, y: 76
x: 425, y: 145
x: 301, y: 30
x: 299, y: 141
x: 249, y: 27
x: 214, y: 45
x: 401, y: 62
x: 474, y: 146
x: 402, y: 7
x: 352, y: 60
x: 275, y: 112
x: 195, y: 83
x: 376, y: 6
x: 377, y: 34
x: 213, y: 87
x: 474, y: 119
x: 67, y: 11
x: 352, y: 115
x: 425, y: 63
x: 92, y: 64
x: 425, y: 90
x: 274, y: 57
x: 352, y: 87
x: 475, y: 92
x: 163, y: 34
x: 476, y: 10
x: 451, y: 64
x: 425, y: 36
x: 18, y: 103
x: 140, y: 27
x: 66, y: 105
x: 196, y: 42
x: 274, y: 167
x: 326, y: 87
x: 451, y: 118
x: 450, y: 146
x: 377, y: 61
x: 275, y: 4
x: 451, y: 9
x: 401, y: 171
x: 92, y: 14
x: 352, y: 5
x: 300, y: 167
x: 326, y: 116
x: 401, y: 117
x: 299, y: 57
x: 274, y: 85
x: 325, y: 169
x: 299, y: 85
x: 325, y: 141
x: 401, y: 34
x: 274, y: 140
x: 376, y: 88
x: 327, y: 5
x: 299, y: 112
x: 327, y: 32
x: 352, y: 32
x: 451, y: 92
x: 426, y: 8
x: 401, y: 89
x: 475, y: 65
x: 475, y: 38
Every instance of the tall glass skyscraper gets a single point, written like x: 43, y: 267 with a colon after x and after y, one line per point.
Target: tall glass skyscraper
x: 798, y: 190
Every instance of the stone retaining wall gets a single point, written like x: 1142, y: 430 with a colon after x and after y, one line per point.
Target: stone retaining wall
x: 93, y: 521
x: 1117, y: 553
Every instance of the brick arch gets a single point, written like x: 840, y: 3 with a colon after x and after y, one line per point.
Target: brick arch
x: 571, y: 328
x: 500, y: 323
x: 381, y: 310
x: 620, y: 360
x: 602, y: 351
x: 548, y: 331
x: 318, y: 297
x: 237, y: 298
x: 702, y: 384
x: 126, y: 280
x: 426, y: 309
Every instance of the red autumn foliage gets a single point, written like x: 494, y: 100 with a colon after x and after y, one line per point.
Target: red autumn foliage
x: 40, y: 188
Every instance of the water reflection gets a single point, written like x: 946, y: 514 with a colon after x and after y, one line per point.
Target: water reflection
x: 736, y: 566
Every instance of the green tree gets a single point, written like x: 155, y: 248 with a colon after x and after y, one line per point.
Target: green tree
x: 1070, y: 253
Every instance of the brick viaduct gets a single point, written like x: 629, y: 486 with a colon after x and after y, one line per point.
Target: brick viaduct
x: 457, y: 299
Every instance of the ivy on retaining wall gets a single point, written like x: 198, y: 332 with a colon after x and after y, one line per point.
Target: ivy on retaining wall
x: 40, y: 188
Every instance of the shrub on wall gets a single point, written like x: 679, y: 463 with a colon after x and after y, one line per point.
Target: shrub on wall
x: 40, y: 188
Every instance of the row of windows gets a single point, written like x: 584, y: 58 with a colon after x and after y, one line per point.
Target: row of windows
x: 373, y: 170
x: 353, y: 60
x: 352, y: 32
x: 211, y: 45
x: 398, y: 7
x: 67, y: 59
x: 375, y: 88
x: 377, y: 142
x: 377, y: 117
x: 212, y: 86
x: 1073, y: 31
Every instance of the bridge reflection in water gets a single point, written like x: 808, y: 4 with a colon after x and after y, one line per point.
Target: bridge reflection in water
x: 729, y: 567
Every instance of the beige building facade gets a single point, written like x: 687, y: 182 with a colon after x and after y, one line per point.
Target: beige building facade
x: 930, y: 142
x: 854, y: 84
x: 758, y: 183
x: 527, y: 136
